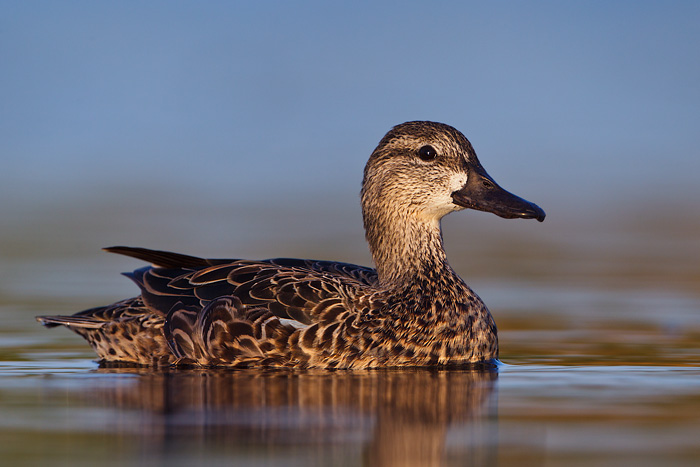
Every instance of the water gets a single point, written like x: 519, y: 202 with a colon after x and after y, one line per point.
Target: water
x: 70, y: 413
x: 599, y: 326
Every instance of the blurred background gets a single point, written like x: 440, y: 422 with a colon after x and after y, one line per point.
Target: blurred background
x: 240, y: 129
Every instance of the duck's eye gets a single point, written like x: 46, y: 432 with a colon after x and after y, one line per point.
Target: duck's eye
x: 427, y: 153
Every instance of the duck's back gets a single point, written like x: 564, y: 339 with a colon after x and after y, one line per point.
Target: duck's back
x: 221, y: 312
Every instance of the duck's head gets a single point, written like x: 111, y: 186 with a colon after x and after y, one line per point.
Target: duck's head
x: 429, y: 169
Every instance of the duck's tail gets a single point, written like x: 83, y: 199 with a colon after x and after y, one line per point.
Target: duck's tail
x: 83, y: 322
x: 162, y: 259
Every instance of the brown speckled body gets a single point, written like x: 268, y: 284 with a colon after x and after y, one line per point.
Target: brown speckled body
x: 413, y: 310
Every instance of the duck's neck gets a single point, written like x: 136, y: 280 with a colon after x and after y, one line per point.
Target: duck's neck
x: 405, y: 247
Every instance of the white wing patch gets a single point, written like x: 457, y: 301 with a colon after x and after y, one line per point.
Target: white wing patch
x: 294, y: 323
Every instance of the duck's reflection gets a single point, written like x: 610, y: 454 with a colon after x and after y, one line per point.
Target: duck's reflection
x: 388, y: 417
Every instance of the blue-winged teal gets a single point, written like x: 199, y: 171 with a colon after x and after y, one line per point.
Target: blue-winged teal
x: 413, y: 310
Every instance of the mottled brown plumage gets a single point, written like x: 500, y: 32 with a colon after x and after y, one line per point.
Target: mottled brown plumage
x: 412, y: 311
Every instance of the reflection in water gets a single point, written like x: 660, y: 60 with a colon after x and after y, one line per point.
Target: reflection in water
x: 392, y: 417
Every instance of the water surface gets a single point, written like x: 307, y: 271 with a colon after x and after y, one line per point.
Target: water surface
x: 599, y: 327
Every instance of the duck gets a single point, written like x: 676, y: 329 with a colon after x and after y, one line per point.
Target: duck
x: 411, y: 310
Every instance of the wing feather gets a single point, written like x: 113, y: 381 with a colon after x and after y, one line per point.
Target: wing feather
x: 234, y: 312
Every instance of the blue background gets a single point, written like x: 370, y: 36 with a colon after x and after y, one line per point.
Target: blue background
x: 569, y: 104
